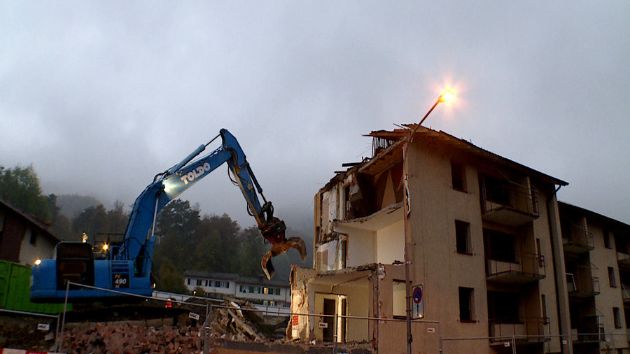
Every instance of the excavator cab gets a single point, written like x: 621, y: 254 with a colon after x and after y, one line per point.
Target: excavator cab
x: 75, y: 263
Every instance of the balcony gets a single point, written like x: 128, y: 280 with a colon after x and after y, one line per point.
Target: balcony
x: 580, y: 287
x: 594, y: 336
x: 508, y: 203
x: 624, y: 260
x: 590, y: 329
x: 577, y: 239
x: 529, y: 268
x: 625, y: 293
x: 527, y: 330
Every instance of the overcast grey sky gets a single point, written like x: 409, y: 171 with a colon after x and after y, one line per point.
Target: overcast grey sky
x: 99, y: 96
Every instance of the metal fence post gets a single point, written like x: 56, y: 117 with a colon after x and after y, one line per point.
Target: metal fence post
x: 206, y: 345
x: 335, y: 334
x: 63, y: 321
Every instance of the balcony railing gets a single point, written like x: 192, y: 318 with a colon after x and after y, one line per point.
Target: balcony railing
x: 582, y: 286
x: 623, y: 259
x: 509, y: 203
x: 531, y: 329
x: 530, y: 268
x: 577, y: 239
x: 589, y: 330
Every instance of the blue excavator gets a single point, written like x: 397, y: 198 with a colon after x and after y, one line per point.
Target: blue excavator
x: 126, y: 268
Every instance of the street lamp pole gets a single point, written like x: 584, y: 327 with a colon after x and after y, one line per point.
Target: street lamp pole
x: 445, y: 96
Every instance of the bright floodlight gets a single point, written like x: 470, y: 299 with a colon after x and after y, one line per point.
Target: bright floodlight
x: 447, y: 96
x: 38, y: 261
x: 105, y: 247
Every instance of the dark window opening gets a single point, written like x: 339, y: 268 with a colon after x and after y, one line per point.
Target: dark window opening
x: 497, y: 190
x: 462, y: 235
x: 543, y: 304
x: 617, y: 317
x: 466, y: 304
x: 32, y: 237
x: 611, y: 277
x: 503, y: 307
x: 198, y: 282
x: 607, y: 243
x: 500, y: 246
x: 458, y: 176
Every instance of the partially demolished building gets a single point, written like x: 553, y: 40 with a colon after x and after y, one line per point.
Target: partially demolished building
x: 482, y: 235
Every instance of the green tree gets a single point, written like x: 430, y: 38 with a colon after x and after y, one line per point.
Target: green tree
x: 92, y: 221
x: 176, y: 233
x: 251, y: 249
x: 20, y: 187
x: 168, y: 278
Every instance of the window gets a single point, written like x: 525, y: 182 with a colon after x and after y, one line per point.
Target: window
x: 217, y: 283
x: 242, y: 289
x: 266, y: 290
x: 206, y: 282
x: 227, y: 284
x: 259, y: 289
x: 611, y: 277
x: 503, y: 307
x: 497, y: 190
x: 466, y: 304
x: 500, y: 246
x: 607, y: 243
x: 399, y: 309
x: 251, y: 289
x: 277, y: 291
x: 462, y: 235
x: 198, y: 282
x: 543, y: 304
x: 617, y: 317
x: 188, y: 281
x: 458, y: 176
x: 32, y: 236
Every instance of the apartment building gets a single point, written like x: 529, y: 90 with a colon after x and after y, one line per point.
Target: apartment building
x: 483, y: 237
x: 597, y: 259
x: 257, y: 290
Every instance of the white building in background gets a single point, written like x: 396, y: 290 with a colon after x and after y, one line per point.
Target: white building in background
x: 257, y: 290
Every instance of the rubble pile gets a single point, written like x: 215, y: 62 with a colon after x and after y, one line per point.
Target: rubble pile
x: 237, y: 322
x: 129, y: 337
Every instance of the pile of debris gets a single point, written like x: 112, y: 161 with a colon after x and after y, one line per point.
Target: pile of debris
x: 130, y: 337
x: 238, y: 320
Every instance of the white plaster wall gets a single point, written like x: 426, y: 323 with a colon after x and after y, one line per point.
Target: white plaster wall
x: 43, y: 248
x: 361, y: 248
x: 390, y: 243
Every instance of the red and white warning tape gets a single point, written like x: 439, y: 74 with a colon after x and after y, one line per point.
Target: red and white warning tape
x: 21, y: 351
